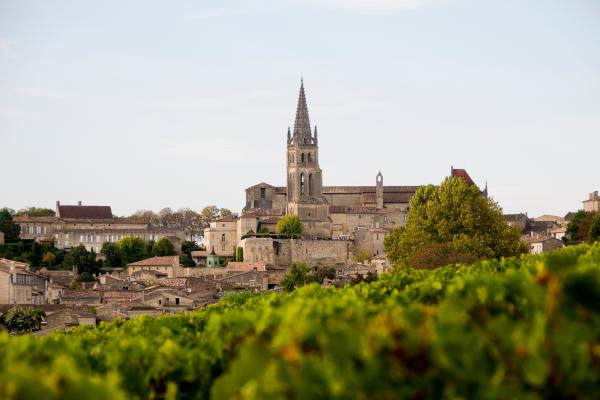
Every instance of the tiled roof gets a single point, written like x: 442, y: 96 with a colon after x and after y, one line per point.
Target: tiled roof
x: 85, y: 212
x: 27, y: 218
x: 156, y: 261
x: 462, y: 173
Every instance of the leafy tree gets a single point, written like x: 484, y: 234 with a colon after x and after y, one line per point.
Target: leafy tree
x: 83, y: 259
x: 163, y: 247
x: 149, y: 246
x: 594, y: 233
x: 298, y: 275
x: 187, y: 261
x: 363, y: 256
x: 437, y: 254
x: 239, y: 254
x: 225, y: 212
x: 49, y: 259
x: 112, y: 255
x: 188, y: 246
x: 290, y: 226
x: 35, y: 212
x: 576, y: 226
x: 132, y: 249
x: 23, y: 319
x: 85, y: 277
x: 457, y: 215
x: 324, y: 273
x: 35, y: 257
x: 7, y: 225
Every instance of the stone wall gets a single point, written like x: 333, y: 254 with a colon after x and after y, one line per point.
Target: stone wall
x: 312, y: 252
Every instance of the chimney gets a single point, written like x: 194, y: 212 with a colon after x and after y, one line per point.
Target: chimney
x: 79, y: 203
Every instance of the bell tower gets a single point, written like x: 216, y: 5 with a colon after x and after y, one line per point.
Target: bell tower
x: 304, y: 176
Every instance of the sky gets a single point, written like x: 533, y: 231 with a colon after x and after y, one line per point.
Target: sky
x: 152, y: 104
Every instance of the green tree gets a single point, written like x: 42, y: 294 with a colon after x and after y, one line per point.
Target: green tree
x: 290, y: 226
x: 188, y: 246
x: 576, y: 228
x: 49, y: 259
x: 132, y: 249
x: 83, y: 259
x: 35, y: 257
x: 298, y: 275
x: 594, y: 233
x: 7, y: 225
x: 457, y: 215
x: 112, y: 255
x: 163, y: 247
x: 187, y: 261
x: 35, y: 212
x: 239, y: 254
x: 23, y: 319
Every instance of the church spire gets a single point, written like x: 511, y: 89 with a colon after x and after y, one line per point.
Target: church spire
x: 302, y: 132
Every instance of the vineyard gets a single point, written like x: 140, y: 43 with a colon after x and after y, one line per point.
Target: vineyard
x: 524, y: 328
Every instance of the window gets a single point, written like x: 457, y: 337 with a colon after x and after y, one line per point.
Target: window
x: 302, y: 157
x: 309, y: 158
x: 159, y: 302
x: 301, y: 184
x: 81, y: 239
x: 176, y: 300
x: 223, y: 238
x: 385, y: 218
x: 263, y: 193
x: 45, y: 229
x: 223, y: 247
x: 310, y: 184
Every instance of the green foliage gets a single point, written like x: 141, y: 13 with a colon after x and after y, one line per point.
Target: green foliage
x: 457, y: 215
x: 594, y: 233
x: 112, y: 255
x: 518, y: 328
x: 578, y: 229
x: 35, y: 257
x: 35, y: 212
x: 248, y: 234
x: 132, y: 249
x: 290, y: 226
x: 188, y: 246
x: 363, y: 256
x: 49, y: 259
x: 187, y: 261
x: 7, y: 225
x: 296, y: 276
x: 83, y: 259
x: 239, y: 254
x: 163, y: 247
x: 23, y: 319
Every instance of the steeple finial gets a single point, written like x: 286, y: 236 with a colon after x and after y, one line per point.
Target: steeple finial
x: 302, y: 132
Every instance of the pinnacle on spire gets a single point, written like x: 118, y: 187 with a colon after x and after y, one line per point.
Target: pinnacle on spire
x: 302, y: 132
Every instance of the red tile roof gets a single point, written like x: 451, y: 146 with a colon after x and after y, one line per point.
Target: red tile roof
x: 157, y: 261
x: 462, y: 173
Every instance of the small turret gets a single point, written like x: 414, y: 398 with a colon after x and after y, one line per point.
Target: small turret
x: 315, y: 136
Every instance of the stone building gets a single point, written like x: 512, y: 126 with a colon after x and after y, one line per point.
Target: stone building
x: 592, y: 203
x: 90, y: 226
x: 20, y: 285
x: 338, y: 220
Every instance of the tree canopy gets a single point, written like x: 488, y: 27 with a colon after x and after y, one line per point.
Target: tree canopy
x: 594, y: 233
x: 83, y: 259
x: 35, y: 212
x: 581, y: 225
x: 163, y: 247
x: 290, y: 226
x: 468, y: 225
x: 112, y: 255
x: 8, y: 226
x: 132, y: 249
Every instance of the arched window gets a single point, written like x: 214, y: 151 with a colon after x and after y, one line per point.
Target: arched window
x: 309, y: 158
x: 301, y: 184
x: 310, y: 184
x: 302, y: 157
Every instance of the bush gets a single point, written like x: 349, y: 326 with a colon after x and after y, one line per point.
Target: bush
x: 522, y: 328
x: 290, y: 226
x: 23, y: 319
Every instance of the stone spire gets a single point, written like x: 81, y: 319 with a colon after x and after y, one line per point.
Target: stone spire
x: 302, y: 134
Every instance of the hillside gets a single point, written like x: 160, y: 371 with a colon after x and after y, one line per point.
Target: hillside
x: 515, y: 328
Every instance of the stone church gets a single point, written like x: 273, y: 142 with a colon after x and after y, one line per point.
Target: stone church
x: 360, y: 215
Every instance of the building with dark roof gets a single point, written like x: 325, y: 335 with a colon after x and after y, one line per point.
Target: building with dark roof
x: 90, y: 226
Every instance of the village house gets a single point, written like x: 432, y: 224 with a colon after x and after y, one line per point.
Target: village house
x: 538, y: 245
x: 592, y: 203
x: 20, y: 285
x: 167, y: 266
x: 90, y: 226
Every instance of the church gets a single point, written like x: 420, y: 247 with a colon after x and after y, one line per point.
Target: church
x: 360, y: 215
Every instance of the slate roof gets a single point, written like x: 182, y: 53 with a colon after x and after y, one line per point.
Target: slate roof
x: 85, y: 212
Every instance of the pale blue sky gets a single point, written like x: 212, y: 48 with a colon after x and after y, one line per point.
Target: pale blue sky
x: 147, y: 104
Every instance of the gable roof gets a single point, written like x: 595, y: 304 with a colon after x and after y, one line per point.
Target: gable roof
x: 156, y: 261
x: 84, y: 212
x: 463, y: 174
